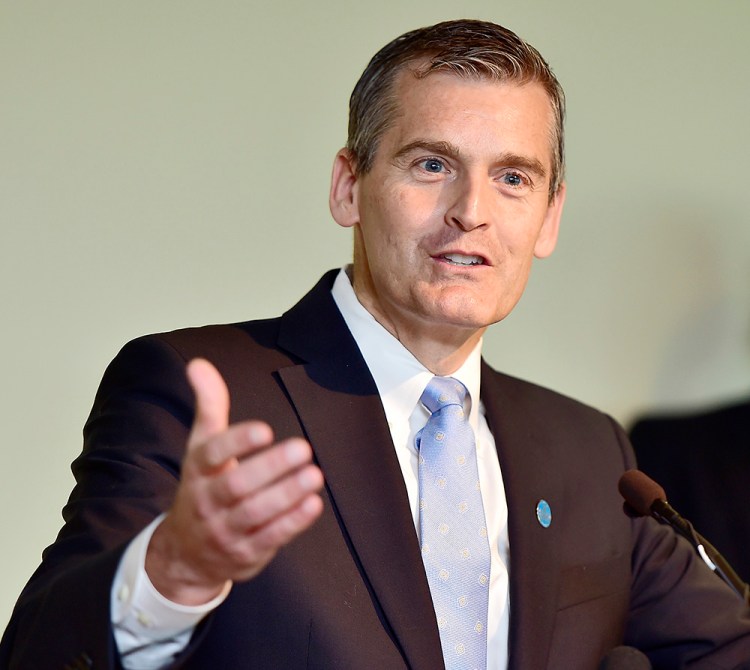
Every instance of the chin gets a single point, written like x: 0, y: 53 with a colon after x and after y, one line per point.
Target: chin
x: 458, y: 317
x: 466, y: 311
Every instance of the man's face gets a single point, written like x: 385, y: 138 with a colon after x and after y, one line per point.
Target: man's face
x: 455, y: 207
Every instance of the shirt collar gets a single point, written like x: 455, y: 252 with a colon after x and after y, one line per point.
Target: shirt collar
x: 399, y: 376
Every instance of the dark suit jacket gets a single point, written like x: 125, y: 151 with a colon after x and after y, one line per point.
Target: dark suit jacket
x: 703, y: 462
x: 351, y: 593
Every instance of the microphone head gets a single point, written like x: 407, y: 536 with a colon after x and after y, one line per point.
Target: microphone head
x: 625, y: 658
x: 640, y: 491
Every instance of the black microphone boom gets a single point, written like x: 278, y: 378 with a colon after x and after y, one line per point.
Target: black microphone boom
x: 644, y: 497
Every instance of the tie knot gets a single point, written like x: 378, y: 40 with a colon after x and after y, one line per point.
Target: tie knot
x: 443, y: 391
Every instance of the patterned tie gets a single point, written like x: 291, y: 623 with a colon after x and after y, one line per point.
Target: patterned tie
x: 455, y: 549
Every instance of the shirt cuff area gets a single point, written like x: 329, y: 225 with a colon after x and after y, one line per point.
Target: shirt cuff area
x: 139, y: 610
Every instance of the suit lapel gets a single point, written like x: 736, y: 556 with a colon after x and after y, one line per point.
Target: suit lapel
x: 528, y: 465
x: 339, y: 407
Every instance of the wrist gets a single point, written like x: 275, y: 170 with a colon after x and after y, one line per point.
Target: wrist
x: 174, y: 578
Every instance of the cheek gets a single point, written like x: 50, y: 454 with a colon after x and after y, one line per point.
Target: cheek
x: 522, y: 237
x: 387, y: 226
x: 415, y: 205
x: 396, y: 224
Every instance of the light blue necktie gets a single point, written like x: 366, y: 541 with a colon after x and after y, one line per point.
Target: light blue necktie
x: 453, y: 532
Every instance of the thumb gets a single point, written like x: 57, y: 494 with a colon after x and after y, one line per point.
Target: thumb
x: 211, y: 401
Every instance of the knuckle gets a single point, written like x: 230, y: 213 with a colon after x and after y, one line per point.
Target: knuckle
x: 234, y: 484
x: 251, y: 510
x: 209, y: 454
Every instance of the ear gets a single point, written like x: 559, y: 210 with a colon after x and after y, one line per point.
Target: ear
x: 547, y: 238
x: 343, y: 198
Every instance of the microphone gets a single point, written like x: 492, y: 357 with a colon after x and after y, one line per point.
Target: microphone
x: 625, y: 658
x: 644, y: 497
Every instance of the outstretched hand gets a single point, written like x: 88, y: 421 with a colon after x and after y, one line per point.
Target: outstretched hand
x: 240, y: 499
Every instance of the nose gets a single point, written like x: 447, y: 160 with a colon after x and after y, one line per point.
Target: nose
x: 470, y: 204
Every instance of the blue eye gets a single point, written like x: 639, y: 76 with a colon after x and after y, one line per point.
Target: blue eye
x: 433, y: 165
x: 513, y: 179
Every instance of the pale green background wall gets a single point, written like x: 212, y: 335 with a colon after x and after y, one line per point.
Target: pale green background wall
x: 165, y: 164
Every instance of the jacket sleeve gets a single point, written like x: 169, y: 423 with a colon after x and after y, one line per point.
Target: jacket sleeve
x: 125, y: 476
x: 681, y: 614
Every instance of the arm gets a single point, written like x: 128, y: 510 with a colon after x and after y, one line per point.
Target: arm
x: 127, y: 474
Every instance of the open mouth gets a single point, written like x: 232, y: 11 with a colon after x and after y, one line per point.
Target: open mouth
x: 462, y: 260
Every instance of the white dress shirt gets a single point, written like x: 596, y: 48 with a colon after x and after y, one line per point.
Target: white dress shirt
x: 401, y: 379
x: 150, y: 630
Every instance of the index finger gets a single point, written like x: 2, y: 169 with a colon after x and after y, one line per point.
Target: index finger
x: 233, y: 444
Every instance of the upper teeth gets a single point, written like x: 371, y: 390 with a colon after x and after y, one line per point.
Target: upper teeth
x: 463, y: 260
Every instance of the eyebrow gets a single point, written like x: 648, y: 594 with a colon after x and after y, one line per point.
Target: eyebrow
x: 507, y: 159
x: 444, y: 148
x: 523, y: 162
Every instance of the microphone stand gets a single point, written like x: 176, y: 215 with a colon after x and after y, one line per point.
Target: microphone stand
x: 662, y: 511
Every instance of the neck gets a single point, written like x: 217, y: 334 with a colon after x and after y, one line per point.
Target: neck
x: 441, y: 348
x: 439, y: 359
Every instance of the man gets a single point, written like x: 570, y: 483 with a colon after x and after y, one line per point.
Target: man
x: 275, y: 551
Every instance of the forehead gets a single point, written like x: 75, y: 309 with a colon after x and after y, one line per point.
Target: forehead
x: 475, y: 112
